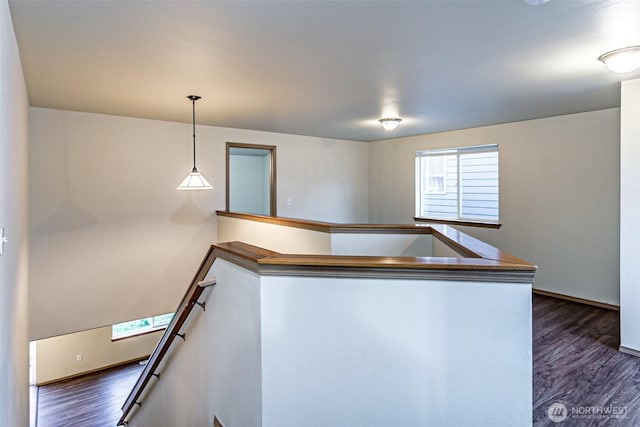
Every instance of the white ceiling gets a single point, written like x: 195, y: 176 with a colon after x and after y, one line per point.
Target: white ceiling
x: 321, y: 68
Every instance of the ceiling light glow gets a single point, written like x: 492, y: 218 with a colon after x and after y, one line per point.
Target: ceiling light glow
x: 390, y: 123
x: 622, y: 61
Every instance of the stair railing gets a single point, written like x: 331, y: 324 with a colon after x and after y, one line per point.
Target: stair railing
x: 189, y: 301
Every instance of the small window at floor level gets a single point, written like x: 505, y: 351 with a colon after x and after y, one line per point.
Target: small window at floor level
x: 458, y: 184
x: 140, y: 326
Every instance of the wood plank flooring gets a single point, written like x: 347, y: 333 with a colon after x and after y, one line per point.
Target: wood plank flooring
x: 93, y: 400
x: 575, y: 362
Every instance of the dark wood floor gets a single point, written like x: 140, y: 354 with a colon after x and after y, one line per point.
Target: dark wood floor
x: 575, y: 362
x: 93, y: 400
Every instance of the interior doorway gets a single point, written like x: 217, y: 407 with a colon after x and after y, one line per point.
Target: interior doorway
x: 251, y: 179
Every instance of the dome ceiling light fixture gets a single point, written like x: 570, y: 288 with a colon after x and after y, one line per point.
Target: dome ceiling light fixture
x: 622, y: 61
x: 390, y: 123
x: 194, y: 180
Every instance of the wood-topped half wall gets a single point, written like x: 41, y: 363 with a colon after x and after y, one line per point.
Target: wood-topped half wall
x: 479, y: 261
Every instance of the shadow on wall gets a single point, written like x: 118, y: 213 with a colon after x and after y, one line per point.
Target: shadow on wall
x: 67, y: 217
x: 189, y: 214
x: 70, y: 216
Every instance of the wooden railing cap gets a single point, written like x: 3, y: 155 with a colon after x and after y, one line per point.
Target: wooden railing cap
x: 466, y: 245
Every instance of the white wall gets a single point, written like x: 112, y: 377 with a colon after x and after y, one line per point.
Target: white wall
x: 56, y: 357
x: 111, y: 238
x: 217, y: 369
x: 14, y: 346
x: 440, y: 249
x: 297, y: 351
x: 630, y: 216
x: 381, y: 244
x: 374, y: 352
x: 559, y: 195
x: 325, y: 179
x: 287, y: 240
x: 292, y: 240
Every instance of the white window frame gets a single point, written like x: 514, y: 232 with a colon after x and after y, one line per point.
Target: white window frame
x: 421, y: 183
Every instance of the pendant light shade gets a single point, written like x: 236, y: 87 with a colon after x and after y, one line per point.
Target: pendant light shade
x: 194, y: 180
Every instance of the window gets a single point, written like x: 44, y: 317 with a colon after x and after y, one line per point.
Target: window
x: 435, y: 176
x: 458, y: 184
x: 140, y: 326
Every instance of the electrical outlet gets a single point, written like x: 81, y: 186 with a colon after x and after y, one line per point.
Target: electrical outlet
x: 79, y: 357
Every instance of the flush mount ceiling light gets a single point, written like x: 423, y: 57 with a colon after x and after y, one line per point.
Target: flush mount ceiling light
x: 194, y: 181
x: 536, y: 2
x: 622, y: 61
x: 390, y: 123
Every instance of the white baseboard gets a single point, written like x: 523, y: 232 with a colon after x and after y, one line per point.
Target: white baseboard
x: 631, y: 351
x: 576, y: 299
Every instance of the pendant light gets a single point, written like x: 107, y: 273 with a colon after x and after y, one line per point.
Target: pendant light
x: 194, y: 181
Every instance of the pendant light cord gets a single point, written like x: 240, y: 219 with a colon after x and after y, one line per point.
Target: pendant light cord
x: 193, y: 102
x: 193, y: 180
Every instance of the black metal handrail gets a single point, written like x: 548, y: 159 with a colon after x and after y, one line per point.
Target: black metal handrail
x: 186, y: 306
